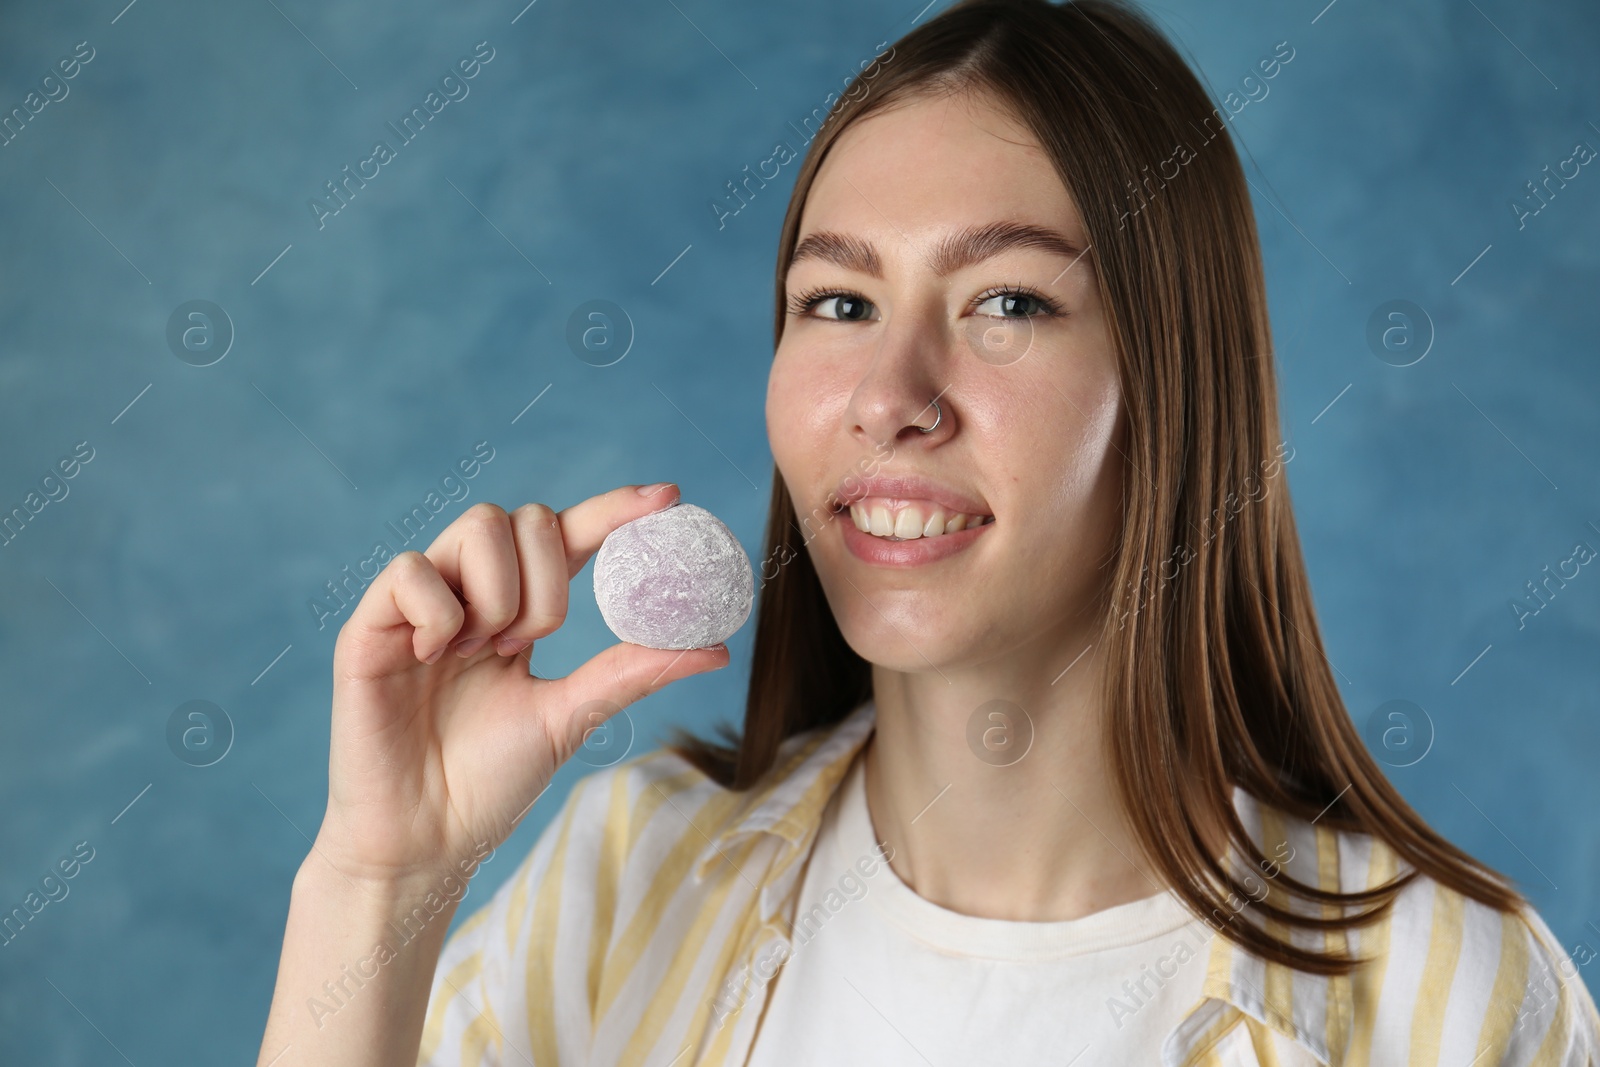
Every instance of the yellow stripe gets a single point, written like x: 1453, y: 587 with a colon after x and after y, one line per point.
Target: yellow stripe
x: 814, y: 800
x: 541, y: 969
x: 1438, y: 975
x: 1552, y: 1050
x: 669, y: 877
x: 656, y: 793
x: 1278, y: 982
x: 669, y: 989
x: 477, y: 1036
x: 1219, y: 969
x: 1262, y: 1041
x: 614, y: 844
x: 460, y: 974
x: 519, y: 902
x: 472, y: 922
x: 804, y: 813
x: 1510, y: 985
x: 1366, y: 986
x: 1203, y: 1052
x: 717, y: 1053
x: 1337, y: 1030
x: 804, y: 817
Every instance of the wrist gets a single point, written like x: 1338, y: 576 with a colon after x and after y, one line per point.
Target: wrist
x: 344, y: 856
x: 387, y: 889
x: 415, y: 908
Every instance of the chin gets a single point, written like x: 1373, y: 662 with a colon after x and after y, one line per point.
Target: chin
x: 914, y: 643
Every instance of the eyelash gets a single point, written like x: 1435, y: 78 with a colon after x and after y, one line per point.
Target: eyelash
x: 802, y: 303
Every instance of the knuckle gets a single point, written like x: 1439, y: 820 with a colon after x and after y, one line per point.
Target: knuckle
x: 544, y: 623
x: 534, y: 515
x: 410, y: 564
x: 484, y: 515
x: 498, y: 615
x: 623, y: 686
x: 452, y: 617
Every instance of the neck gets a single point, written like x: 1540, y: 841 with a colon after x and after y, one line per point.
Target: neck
x: 980, y: 831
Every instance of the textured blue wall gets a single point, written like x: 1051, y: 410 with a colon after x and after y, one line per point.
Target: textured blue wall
x: 373, y: 350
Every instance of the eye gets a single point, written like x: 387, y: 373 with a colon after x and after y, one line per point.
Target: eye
x: 1016, y: 302
x: 849, y: 307
x: 1013, y: 301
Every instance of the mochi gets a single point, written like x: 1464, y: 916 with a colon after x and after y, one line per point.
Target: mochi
x: 676, y: 578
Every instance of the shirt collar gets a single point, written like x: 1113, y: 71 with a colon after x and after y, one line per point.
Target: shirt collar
x: 808, y: 769
x: 1314, y: 1011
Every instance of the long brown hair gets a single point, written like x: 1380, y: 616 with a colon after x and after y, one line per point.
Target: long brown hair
x: 1215, y: 674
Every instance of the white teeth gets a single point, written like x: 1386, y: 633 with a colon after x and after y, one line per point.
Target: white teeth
x: 909, y: 523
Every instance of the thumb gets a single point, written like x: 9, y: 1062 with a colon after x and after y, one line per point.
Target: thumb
x: 615, y: 678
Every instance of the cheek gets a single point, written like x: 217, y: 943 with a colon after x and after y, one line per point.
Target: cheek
x: 1092, y: 444
x: 1091, y: 482
x: 1056, y: 448
x: 799, y: 405
x: 780, y: 412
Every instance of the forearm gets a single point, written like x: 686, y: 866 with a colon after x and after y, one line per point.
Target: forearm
x: 358, y: 962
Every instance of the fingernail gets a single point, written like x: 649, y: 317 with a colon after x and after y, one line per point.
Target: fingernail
x: 508, y: 646
x: 436, y: 654
x: 467, y: 648
x: 652, y: 490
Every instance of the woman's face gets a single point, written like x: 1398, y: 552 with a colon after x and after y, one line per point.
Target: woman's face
x: 1008, y: 333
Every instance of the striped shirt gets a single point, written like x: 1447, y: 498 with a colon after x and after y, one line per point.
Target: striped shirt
x: 647, y: 923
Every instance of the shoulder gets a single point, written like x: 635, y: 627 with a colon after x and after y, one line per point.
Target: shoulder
x: 1541, y: 1009
x: 1441, y: 973
x: 1500, y: 977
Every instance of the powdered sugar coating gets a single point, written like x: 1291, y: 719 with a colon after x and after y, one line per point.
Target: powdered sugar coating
x: 676, y: 578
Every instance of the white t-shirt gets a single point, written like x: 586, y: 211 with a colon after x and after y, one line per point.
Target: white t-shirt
x: 879, y: 975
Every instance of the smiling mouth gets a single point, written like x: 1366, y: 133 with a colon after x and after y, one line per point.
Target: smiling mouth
x: 908, y: 520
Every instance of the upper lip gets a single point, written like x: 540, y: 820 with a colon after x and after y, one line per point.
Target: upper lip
x: 909, y: 487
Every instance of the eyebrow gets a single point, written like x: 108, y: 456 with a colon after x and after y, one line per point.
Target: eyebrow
x: 963, y: 248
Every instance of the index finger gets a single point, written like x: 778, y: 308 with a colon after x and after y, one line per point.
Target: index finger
x: 585, y: 525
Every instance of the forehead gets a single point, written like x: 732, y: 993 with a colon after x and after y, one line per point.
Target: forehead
x: 936, y: 164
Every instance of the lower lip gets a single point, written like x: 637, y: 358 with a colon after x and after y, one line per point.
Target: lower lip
x: 912, y: 553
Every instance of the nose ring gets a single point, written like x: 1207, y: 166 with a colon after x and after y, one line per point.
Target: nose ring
x: 938, y: 417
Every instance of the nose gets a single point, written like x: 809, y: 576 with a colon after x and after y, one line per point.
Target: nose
x: 901, y: 399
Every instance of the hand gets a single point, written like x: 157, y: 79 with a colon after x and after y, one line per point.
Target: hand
x: 436, y: 755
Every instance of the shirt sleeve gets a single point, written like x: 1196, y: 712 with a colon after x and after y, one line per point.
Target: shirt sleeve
x: 512, y: 980
x: 1557, y: 1023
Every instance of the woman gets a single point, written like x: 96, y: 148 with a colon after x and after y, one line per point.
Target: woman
x: 1041, y: 756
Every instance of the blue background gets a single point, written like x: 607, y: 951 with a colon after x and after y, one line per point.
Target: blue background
x: 429, y: 312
